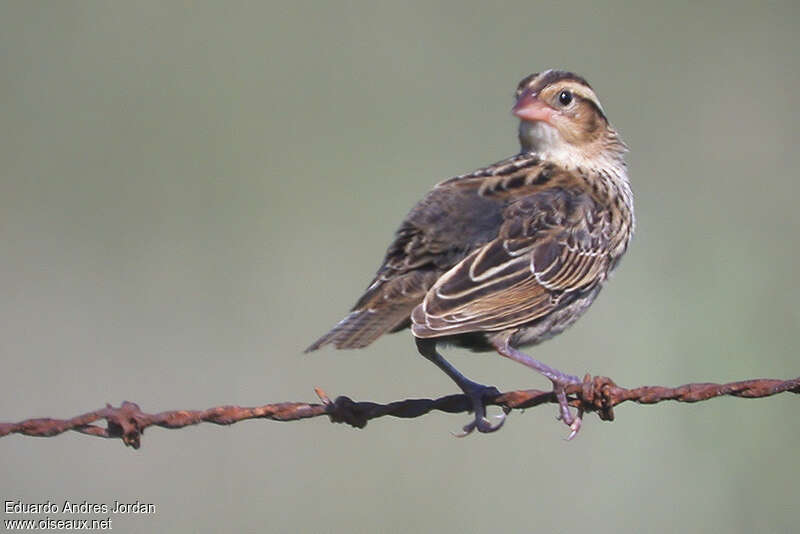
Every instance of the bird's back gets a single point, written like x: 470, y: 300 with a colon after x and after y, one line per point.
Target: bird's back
x: 534, y: 204
x: 440, y: 231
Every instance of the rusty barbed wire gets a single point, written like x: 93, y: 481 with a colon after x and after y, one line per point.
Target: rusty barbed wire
x: 595, y: 394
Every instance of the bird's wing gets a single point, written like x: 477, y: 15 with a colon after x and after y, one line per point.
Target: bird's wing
x: 438, y: 233
x: 552, y: 243
x: 457, y: 217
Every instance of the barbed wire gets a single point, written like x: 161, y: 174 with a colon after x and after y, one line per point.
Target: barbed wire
x: 595, y: 394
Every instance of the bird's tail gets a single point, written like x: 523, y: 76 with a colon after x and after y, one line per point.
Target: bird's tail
x: 362, y: 327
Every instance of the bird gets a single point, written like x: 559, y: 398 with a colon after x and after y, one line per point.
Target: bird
x: 511, y: 254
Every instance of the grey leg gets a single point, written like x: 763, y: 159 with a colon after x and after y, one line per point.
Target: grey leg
x: 473, y: 390
x: 560, y: 381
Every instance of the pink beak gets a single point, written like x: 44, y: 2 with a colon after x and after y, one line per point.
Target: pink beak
x: 530, y: 108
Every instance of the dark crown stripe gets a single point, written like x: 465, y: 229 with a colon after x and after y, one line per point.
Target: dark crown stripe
x: 539, y: 80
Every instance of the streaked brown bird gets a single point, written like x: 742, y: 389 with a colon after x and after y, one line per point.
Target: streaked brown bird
x: 511, y: 254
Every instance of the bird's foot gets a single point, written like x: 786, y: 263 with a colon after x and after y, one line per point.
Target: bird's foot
x: 560, y: 382
x: 564, y: 413
x: 477, y: 394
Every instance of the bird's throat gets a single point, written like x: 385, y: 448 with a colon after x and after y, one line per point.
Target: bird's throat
x: 539, y: 137
x: 545, y: 140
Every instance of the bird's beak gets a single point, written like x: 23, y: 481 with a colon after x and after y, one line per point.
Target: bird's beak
x: 530, y: 108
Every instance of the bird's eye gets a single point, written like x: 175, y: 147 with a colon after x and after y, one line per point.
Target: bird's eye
x: 565, y: 98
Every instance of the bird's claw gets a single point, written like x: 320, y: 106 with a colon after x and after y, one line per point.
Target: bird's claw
x: 564, y: 413
x: 482, y: 425
x: 574, y: 428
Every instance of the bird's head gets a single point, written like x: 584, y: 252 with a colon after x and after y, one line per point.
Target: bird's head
x: 562, y: 119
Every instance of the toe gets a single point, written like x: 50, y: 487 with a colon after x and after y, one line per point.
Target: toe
x: 480, y: 423
x: 485, y: 426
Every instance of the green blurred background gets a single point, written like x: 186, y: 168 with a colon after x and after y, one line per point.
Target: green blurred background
x: 193, y: 192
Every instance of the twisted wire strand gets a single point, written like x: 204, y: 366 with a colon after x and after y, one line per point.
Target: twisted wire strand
x: 595, y: 394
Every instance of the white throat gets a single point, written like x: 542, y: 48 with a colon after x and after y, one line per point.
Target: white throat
x: 546, y: 141
x: 538, y: 137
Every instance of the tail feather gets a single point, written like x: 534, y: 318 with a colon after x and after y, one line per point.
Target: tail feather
x: 362, y: 327
x: 385, y: 307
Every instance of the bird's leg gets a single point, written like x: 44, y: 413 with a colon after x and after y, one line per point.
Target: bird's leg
x: 474, y: 391
x: 560, y: 382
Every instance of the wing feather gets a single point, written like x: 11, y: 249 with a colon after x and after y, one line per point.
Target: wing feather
x: 547, y: 248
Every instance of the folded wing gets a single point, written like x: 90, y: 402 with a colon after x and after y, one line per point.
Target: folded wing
x: 551, y: 244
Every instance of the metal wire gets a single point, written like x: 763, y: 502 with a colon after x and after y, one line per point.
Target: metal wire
x: 596, y: 394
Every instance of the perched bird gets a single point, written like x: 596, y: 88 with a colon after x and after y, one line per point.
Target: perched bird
x: 513, y: 253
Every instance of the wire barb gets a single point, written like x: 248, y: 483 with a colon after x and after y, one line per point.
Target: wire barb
x: 595, y: 394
